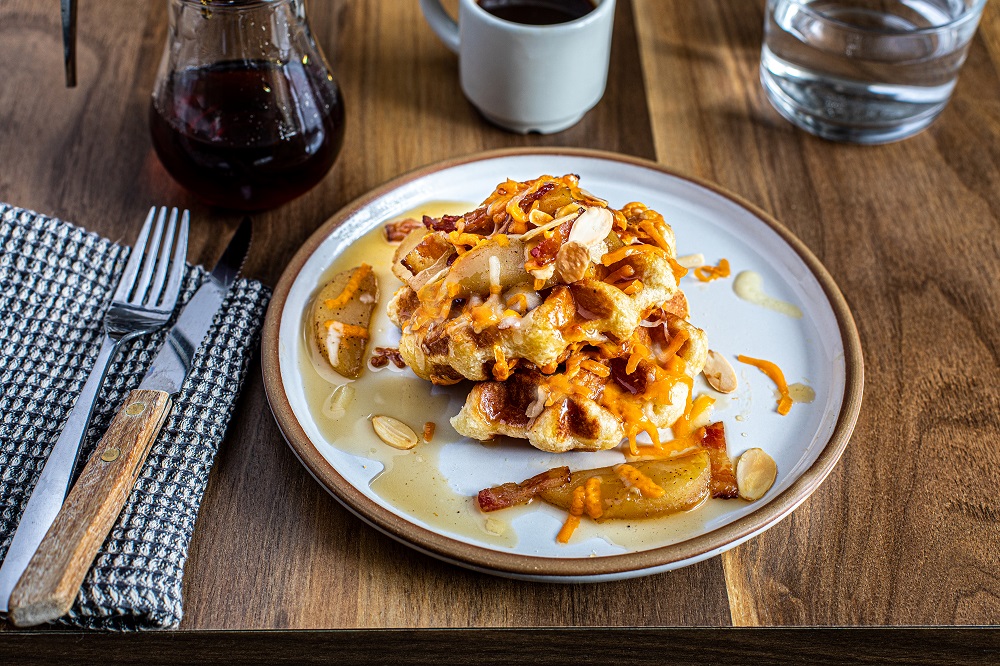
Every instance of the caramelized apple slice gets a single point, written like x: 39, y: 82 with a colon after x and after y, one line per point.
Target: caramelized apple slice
x: 684, y: 481
x: 429, y: 250
x: 471, y: 271
x: 341, y: 313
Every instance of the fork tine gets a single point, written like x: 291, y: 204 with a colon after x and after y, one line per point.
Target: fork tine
x: 177, y: 264
x: 128, y: 277
x: 156, y: 287
x: 149, y: 260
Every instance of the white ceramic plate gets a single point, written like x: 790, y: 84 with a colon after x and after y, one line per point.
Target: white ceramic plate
x: 821, y: 350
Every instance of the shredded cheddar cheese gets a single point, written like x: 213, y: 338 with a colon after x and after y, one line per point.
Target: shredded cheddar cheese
x: 675, y: 344
x: 627, y: 251
x: 639, y: 353
x: 575, y: 511
x: 459, y: 238
x: 596, y: 367
x: 561, y: 386
x: 501, y: 370
x: 620, y: 274
x: 347, y: 330
x: 636, y: 479
x: 684, y: 427
x: 518, y: 301
x: 776, y: 375
x: 673, y: 448
x: 678, y: 270
x: 631, y: 414
x: 655, y: 234
x: 592, y: 497
x: 634, y: 287
x: 709, y: 273
x: 429, y: 428
x: 351, y: 288
x: 483, y: 316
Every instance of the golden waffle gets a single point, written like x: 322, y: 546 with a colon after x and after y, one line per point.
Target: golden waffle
x: 578, y: 408
x: 527, y: 292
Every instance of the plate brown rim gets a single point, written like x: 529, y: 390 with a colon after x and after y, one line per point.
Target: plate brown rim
x: 478, y: 557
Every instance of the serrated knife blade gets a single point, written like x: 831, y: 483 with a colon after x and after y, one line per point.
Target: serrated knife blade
x: 173, y: 361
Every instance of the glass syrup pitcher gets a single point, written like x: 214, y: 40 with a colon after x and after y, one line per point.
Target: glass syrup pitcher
x: 245, y: 112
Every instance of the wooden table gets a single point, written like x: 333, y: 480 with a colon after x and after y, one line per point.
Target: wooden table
x: 903, y: 532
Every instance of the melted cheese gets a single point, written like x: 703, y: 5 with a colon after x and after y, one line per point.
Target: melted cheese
x: 709, y: 273
x: 776, y: 375
x: 351, y: 288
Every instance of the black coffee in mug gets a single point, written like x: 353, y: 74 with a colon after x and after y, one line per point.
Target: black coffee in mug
x: 538, y: 12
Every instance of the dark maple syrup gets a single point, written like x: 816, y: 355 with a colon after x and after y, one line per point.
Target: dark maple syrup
x: 538, y: 12
x: 248, y: 135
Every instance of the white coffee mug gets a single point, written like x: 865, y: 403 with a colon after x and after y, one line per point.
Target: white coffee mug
x: 528, y: 78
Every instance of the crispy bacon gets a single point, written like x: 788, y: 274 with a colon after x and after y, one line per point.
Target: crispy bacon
x: 512, y: 494
x: 397, y: 231
x: 535, y: 196
x: 546, y: 250
x: 479, y: 222
x: 383, y: 355
x: 723, y: 482
x: 443, y: 223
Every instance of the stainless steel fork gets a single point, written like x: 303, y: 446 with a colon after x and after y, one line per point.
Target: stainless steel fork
x: 142, y: 303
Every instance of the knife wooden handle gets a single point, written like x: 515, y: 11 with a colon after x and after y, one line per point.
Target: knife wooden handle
x: 50, y: 583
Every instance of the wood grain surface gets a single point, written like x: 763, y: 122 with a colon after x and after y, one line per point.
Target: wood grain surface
x: 905, y: 529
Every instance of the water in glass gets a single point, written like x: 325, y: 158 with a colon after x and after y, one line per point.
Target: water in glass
x: 865, y: 71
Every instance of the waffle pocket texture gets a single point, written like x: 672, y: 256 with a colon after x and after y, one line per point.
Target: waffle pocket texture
x: 56, y: 281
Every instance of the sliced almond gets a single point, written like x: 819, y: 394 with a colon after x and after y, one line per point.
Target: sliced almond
x: 551, y: 224
x: 591, y: 196
x: 539, y: 217
x: 394, y: 432
x: 592, y: 227
x: 571, y: 262
x: 719, y: 373
x: 691, y: 260
x: 755, y: 474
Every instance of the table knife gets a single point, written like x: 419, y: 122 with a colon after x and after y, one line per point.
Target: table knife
x: 52, y: 579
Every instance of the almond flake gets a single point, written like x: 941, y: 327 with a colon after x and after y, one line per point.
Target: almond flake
x: 719, y: 372
x: 394, y: 432
x: 755, y: 474
x: 571, y: 262
x: 592, y: 227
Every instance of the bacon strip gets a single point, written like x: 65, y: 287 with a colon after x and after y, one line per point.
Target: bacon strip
x: 723, y: 482
x: 383, y: 355
x: 535, y: 196
x: 512, y: 494
x: 443, y: 223
x: 397, y: 231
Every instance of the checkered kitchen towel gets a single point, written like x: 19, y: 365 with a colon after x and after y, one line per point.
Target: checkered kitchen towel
x: 55, y: 282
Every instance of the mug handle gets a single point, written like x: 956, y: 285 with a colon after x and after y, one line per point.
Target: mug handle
x: 443, y: 25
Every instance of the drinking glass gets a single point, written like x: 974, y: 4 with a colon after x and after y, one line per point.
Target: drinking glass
x: 864, y: 71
